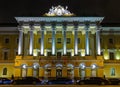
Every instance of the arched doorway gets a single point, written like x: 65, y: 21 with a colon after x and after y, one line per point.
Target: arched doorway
x: 59, y: 70
x: 70, y: 71
x: 93, y: 70
x: 23, y: 70
x: 82, y: 70
x: 35, y: 70
x: 47, y: 73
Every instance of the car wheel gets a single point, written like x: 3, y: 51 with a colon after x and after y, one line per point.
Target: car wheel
x: 102, y: 83
x: 119, y: 83
x: 34, y: 83
x: 82, y: 83
x: 49, y: 83
x: 14, y: 83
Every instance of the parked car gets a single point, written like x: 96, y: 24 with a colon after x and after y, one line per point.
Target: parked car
x: 5, y: 81
x: 61, y: 81
x: 94, y: 80
x: 114, y: 81
x: 27, y: 80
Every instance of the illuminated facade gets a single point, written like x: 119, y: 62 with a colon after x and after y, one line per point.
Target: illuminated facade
x: 61, y: 46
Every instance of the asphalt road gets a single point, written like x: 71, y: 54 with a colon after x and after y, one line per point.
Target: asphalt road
x: 59, y: 85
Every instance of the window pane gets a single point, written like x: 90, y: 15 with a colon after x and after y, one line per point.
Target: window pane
x: 49, y: 40
x: 111, y: 41
x: 5, y: 71
x: 68, y: 40
x: 39, y: 40
x: 111, y: 56
x: 112, y: 71
x: 5, y: 55
x: 6, y: 40
x: 78, y: 40
x: 59, y: 40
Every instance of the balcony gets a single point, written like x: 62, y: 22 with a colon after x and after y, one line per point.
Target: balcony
x: 111, y: 61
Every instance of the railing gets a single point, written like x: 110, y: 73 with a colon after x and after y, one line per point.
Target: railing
x: 112, y: 61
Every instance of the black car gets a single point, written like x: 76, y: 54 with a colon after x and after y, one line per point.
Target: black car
x: 61, y: 81
x: 27, y: 80
x: 114, y: 81
x: 94, y: 80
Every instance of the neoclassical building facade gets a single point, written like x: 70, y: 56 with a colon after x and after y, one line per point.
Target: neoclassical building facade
x: 59, y: 44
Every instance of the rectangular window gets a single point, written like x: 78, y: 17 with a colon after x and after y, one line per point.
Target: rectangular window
x: 16, y: 53
x: 39, y: 40
x: 78, y: 40
x: 68, y: 53
x: 101, y: 40
x: 49, y: 40
x: 68, y: 40
x: 49, y: 54
x: 17, y: 40
x: 49, y: 32
x: 110, y: 41
x: 69, y: 32
x: 5, y: 55
x: 59, y: 40
x: 6, y: 40
x: 111, y: 55
x: 59, y: 32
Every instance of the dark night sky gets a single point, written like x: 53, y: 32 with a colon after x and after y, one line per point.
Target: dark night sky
x: 110, y: 9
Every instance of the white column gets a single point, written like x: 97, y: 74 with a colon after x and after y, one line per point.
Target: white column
x: 64, y: 40
x: 20, y: 44
x: 98, y: 42
x: 31, y: 41
x: 87, y: 40
x: 53, y: 39
x: 75, y: 41
x: 42, y: 41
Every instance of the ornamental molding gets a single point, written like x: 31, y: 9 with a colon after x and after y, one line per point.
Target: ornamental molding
x: 58, y: 19
x: 59, y: 11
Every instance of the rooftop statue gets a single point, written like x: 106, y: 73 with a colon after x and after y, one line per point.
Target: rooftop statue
x: 59, y: 11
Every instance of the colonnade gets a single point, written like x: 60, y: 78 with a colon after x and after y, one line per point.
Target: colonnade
x: 53, y: 48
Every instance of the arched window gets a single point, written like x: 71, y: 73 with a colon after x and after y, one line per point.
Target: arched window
x: 112, y: 71
x: 5, y: 71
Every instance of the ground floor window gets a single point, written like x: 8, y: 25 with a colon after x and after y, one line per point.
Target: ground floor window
x: 5, y: 71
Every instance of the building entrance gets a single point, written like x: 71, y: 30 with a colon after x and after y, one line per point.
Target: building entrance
x: 58, y: 73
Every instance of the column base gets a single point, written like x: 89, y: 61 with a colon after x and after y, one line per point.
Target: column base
x: 99, y: 57
x: 19, y: 57
x: 28, y: 57
x: 88, y: 57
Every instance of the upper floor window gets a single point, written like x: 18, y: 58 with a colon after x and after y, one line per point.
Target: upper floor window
x: 111, y: 54
x: 78, y: 40
x: 39, y: 40
x: 5, y: 55
x: 17, y: 41
x: 49, y: 53
x: 68, y: 40
x: 68, y: 53
x: 49, y: 32
x: 111, y: 41
x: 6, y: 40
x: 59, y: 32
x: 59, y: 40
x: 49, y: 40
x: 100, y: 40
